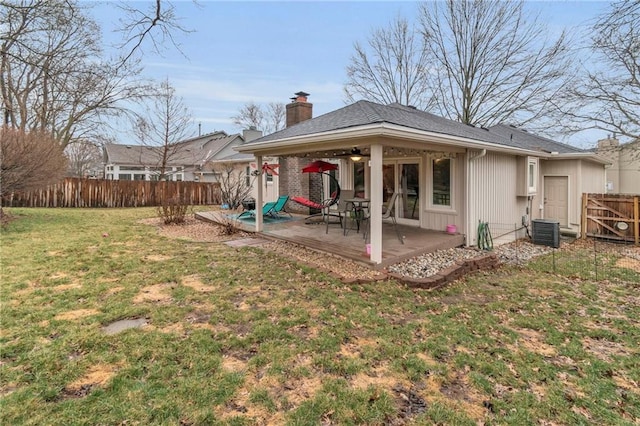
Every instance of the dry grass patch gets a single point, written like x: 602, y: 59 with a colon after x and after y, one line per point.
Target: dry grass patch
x: 605, y: 349
x: 157, y: 258
x: 114, y: 290
x: 194, y: 282
x: 379, y: 377
x: 629, y: 263
x: 627, y: 383
x: 58, y: 275
x: 533, y: 341
x: 63, y: 287
x: 97, y: 376
x: 76, y: 314
x: 154, y: 293
x: 233, y: 364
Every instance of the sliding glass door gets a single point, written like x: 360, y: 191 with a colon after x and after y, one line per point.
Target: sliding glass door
x: 403, y: 177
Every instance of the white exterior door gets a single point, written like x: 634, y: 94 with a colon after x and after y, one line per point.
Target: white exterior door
x: 556, y: 199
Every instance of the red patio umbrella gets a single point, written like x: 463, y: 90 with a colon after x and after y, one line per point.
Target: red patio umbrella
x: 319, y: 166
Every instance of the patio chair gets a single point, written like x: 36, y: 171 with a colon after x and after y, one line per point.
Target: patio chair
x: 266, y: 210
x: 388, y: 211
x: 344, y: 208
x: 323, y: 207
x: 279, y: 209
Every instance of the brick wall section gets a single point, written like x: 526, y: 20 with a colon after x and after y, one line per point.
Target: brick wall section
x: 315, y: 187
x: 298, y: 111
x: 293, y: 182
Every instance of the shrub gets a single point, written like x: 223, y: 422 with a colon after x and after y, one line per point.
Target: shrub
x: 173, y: 209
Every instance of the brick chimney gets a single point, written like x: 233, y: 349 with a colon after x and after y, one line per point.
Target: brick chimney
x: 299, y: 109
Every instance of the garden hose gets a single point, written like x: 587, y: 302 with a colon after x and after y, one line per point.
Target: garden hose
x: 485, y: 241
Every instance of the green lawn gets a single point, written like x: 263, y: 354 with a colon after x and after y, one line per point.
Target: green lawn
x: 244, y: 336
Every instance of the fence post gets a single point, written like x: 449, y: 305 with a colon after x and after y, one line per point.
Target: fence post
x: 583, y: 225
x: 636, y: 220
x: 595, y: 258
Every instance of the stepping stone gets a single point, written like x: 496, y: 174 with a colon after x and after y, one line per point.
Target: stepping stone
x: 118, y: 326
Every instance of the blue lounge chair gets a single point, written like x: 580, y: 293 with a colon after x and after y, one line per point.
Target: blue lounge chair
x: 266, y: 209
x: 279, y: 210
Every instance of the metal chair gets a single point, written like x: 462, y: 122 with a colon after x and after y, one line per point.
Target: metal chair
x: 388, y: 212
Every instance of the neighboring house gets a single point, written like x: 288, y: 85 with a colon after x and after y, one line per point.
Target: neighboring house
x: 446, y: 173
x: 199, y: 159
x: 623, y: 175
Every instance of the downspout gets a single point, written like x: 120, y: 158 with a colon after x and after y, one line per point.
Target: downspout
x: 469, y: 223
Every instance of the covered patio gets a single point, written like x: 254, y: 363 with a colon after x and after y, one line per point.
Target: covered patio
x: 351, y: 246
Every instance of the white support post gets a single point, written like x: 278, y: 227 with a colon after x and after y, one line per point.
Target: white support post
x: 259, y: 194
x: 375, y: 221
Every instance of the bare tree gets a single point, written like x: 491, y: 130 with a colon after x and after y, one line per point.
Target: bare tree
x: 164, y: 124
x: 84, y: 158
x: 235, y: 185
x: 391, y: 68
x: 269, y: 118
x: 492, y: 62
x: 478, y: 62
x: 609, y: 97
x: 157, y: 23
x: 28, y: 161
x: 52, y: 76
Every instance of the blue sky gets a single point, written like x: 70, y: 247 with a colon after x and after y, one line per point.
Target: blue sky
x: 265, y: 51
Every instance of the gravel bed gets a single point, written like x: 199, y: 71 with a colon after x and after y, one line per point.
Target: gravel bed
x: 520, y: 253
x: 429, y: 264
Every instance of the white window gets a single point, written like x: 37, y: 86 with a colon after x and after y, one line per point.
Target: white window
x: 532, y: 175
x: 441, y: 182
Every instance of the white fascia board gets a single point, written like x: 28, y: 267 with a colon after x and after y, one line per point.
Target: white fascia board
x: 233, y: 160
x: 384, y: 130
x: 575, y: 156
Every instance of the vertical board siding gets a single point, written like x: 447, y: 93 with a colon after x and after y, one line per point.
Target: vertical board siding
x: 76, y: 192
x: 492, y: 196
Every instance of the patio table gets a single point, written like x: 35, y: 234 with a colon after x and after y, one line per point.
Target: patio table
x: 357, y: 208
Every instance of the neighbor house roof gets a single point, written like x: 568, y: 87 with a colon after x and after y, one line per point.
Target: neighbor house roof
x: 191, y: 151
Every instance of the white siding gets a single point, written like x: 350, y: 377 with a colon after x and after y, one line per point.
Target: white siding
x: 438, y: 219
x: 492, y: 197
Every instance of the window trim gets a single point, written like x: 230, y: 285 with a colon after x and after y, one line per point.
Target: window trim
x: 532, y: 175
x: 451, y: 208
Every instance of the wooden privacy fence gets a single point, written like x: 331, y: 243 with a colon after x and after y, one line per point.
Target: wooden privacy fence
x: 76, y: 192
x: 611, y: 216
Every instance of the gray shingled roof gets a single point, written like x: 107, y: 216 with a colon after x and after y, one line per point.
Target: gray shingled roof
x: 189, y: 152
x: 523, y: 139
x: 364, y: 113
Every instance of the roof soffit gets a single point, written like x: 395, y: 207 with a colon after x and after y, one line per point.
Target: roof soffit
x: 380, y: 133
